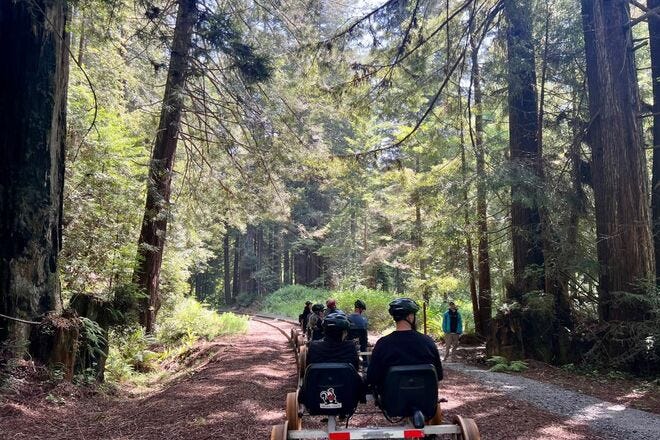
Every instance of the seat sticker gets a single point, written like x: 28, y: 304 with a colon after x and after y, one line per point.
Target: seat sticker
x: 329, y: 399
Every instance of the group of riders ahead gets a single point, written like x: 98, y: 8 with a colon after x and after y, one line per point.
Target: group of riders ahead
x: 332, y: 338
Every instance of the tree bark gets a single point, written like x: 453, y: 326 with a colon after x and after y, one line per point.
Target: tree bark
x: 526, y: 167
x: 468, y: 227
x: 624, y: 246
x: 226, y: 266
x: 287, y: 266
x: 33, y: 86
x: 156, y: 212
x: 483, y: 258
x: 654, y: 37
x: 236, y: 283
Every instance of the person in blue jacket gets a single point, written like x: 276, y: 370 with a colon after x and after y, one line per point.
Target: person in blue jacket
x: 359, y: 325
x: 452, y: 325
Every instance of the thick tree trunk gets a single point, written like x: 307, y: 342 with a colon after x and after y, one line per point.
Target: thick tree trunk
x: 625, y: 246
x: 528, y: 258
x: 483, y: 258
x: 154, y: 223
x: 33, y: 83
x: 654, y: 35
x: 226, y: 266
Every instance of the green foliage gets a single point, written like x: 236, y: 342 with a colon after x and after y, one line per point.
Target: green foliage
x: 290, y: 300
x: 377, y: 305
x: 501, y: 364
x: 192, y: 320
x: 129, y: 352
x: 93, y: 337
x: 245, y: 299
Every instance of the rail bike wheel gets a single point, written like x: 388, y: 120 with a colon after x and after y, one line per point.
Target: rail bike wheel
x: 279, y: 432
x: 469, y: 429
x: 302, y: 361
x: 437, y: 418
x: 294, y: 422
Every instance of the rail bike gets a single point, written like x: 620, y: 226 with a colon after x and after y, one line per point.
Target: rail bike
x: 408, y: 397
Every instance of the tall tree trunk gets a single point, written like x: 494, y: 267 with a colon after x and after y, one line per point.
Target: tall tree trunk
x: 654, y: 34
x: 469, y: 253
x: 236, y: 281
x: 528, y: 258
x: 287, y: 266
x: 483, y: 258
x: 625, y: 246
x: 154, y: 223
x: 226, y: 265
x: 33, y: 87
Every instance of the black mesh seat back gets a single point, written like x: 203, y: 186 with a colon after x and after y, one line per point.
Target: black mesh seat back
x: 331, y: 389
x: 410, y: 388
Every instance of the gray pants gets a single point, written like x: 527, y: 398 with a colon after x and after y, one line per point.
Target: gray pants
x: 451, y: 342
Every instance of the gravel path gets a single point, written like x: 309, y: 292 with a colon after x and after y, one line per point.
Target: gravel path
x: 612, y: 420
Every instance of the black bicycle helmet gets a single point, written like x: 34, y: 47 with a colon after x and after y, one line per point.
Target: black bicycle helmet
x: 318, y: 308
x: 307, y: 303
x: 336, y: 321
x: 359, y: 304
x: 400, y: 308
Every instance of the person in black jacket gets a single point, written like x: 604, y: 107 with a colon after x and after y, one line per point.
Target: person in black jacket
x: 334, y: 347
x: 304, y: 316
x: 405, y: 346
x: 315, y: 323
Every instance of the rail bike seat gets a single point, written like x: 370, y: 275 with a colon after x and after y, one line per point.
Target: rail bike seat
x: 331, y: 389
x: 409, y: 390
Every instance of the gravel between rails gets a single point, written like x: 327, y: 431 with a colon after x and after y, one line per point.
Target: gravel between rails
x: 612, y: 420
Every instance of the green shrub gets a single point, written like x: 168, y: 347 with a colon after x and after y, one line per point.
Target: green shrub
x: 502, y: 365
x: 245, y: 299
x: 290, y: 300
x: 377, y: 305
x: 129, y: 353
x: 191, y: 320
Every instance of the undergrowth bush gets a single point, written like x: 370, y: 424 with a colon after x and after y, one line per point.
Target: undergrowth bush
x: 191, y: 320
x: 188, y: 321
x: 290, y: 300
x: 503, y: 365
x: 129, y: 353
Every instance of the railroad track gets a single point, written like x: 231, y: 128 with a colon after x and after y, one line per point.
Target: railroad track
x: 294, y: 337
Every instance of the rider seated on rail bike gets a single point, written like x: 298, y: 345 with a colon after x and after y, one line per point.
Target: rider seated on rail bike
x: 404, y: 346
x: 359, y: 325
x: 334, y: 347
x: 331, y: 307
x: 315, y: 323
x: 304, y: 316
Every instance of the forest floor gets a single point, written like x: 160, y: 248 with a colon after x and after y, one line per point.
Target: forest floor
x: 237, y: 390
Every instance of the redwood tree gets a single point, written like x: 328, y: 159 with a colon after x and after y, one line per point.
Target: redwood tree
x: 154, y: 223
x: 625, y: 247
x: 483, y: 258
x: 654, y: 34
x: 33, y: 84
x: 528, y: 258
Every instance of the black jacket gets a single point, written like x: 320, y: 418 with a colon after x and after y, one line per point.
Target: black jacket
x: 402, y: 348
x: 328, y: 350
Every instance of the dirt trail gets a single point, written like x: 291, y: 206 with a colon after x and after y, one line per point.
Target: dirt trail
x: 240, y: 393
